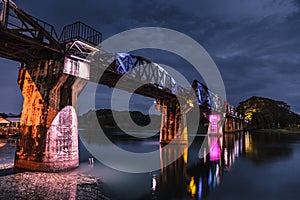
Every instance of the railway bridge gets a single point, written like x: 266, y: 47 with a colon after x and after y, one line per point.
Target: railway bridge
x: 54, y: 70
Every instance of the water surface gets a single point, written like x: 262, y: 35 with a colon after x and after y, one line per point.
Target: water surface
x: 232, y: 166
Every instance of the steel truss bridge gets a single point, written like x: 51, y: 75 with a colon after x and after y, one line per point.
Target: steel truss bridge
x: 55, y: 69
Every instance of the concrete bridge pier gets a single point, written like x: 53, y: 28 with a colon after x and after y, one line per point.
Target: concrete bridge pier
x: 215, y: 124
x: 229, y: 125
x: 173, y: 122
x: 233, y: 124
x: 48, y: 139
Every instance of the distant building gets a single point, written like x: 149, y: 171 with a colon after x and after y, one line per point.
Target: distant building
x: 9, y: 126
x: 14, y: 122
x: 4, y: 122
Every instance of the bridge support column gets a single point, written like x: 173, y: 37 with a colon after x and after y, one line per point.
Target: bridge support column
x: 238, y: 127
x: 48, y: 138
x: 241, y: 126
x: 232, y: 124
x: 215, y: 126
x: 173, y: 123
x: 229, y: 125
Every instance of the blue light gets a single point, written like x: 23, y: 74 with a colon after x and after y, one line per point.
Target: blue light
x: 210, y: 177
x: 124, y: 63
x: 200, y: 188
x: 123, y: 55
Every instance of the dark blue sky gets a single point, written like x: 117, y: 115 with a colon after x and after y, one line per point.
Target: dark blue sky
x: 255, y: 44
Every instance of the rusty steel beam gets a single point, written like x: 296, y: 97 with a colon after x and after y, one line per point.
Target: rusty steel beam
x: 19, y: 30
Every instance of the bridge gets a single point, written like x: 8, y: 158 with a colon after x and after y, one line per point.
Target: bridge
x: 53, y: 72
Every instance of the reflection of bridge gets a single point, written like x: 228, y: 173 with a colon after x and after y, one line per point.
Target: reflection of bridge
x: 55, y: 70
x: 191, y: 175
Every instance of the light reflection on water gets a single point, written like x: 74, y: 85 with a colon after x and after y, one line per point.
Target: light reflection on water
x: 187, y: 177
x: 231, y: 159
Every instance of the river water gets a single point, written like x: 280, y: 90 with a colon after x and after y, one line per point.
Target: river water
x: 232, y: 166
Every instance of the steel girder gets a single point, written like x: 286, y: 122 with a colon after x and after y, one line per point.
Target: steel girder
x: 24, y: 37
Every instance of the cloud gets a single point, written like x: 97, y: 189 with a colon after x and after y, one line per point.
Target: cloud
x: 254, y: 43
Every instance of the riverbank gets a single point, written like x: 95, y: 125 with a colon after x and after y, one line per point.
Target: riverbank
x: 76, y: 184
x: 39, y: 185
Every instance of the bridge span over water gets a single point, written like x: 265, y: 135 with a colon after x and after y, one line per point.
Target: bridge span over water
x: 54, y: 70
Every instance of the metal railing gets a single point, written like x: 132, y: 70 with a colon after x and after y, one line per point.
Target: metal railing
x: 82, y: 32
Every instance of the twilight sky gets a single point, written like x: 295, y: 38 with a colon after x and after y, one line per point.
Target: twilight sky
x: 255, y: 44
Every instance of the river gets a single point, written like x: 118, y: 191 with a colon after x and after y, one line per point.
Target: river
x: 239, y: 166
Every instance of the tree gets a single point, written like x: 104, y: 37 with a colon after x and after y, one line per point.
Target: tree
x: 267, y: 113
x: 3, y: 115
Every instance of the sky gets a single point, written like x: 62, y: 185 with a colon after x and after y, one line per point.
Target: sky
x: 255, y: 44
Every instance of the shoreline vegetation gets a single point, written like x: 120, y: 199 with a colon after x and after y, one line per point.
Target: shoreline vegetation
x: 269, y: 115
x: 261, y: 114
x: 105, y: 118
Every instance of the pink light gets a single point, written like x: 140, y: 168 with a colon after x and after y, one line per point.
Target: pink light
x: 214, y: 123
x: 214, y: 118
x: 215, y: 153
x: 214, y: 149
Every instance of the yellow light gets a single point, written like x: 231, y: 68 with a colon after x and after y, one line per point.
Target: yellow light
x: 192, y: 187
x: 190, y: 103
x: 248, y: 143
x: 185, y: 155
